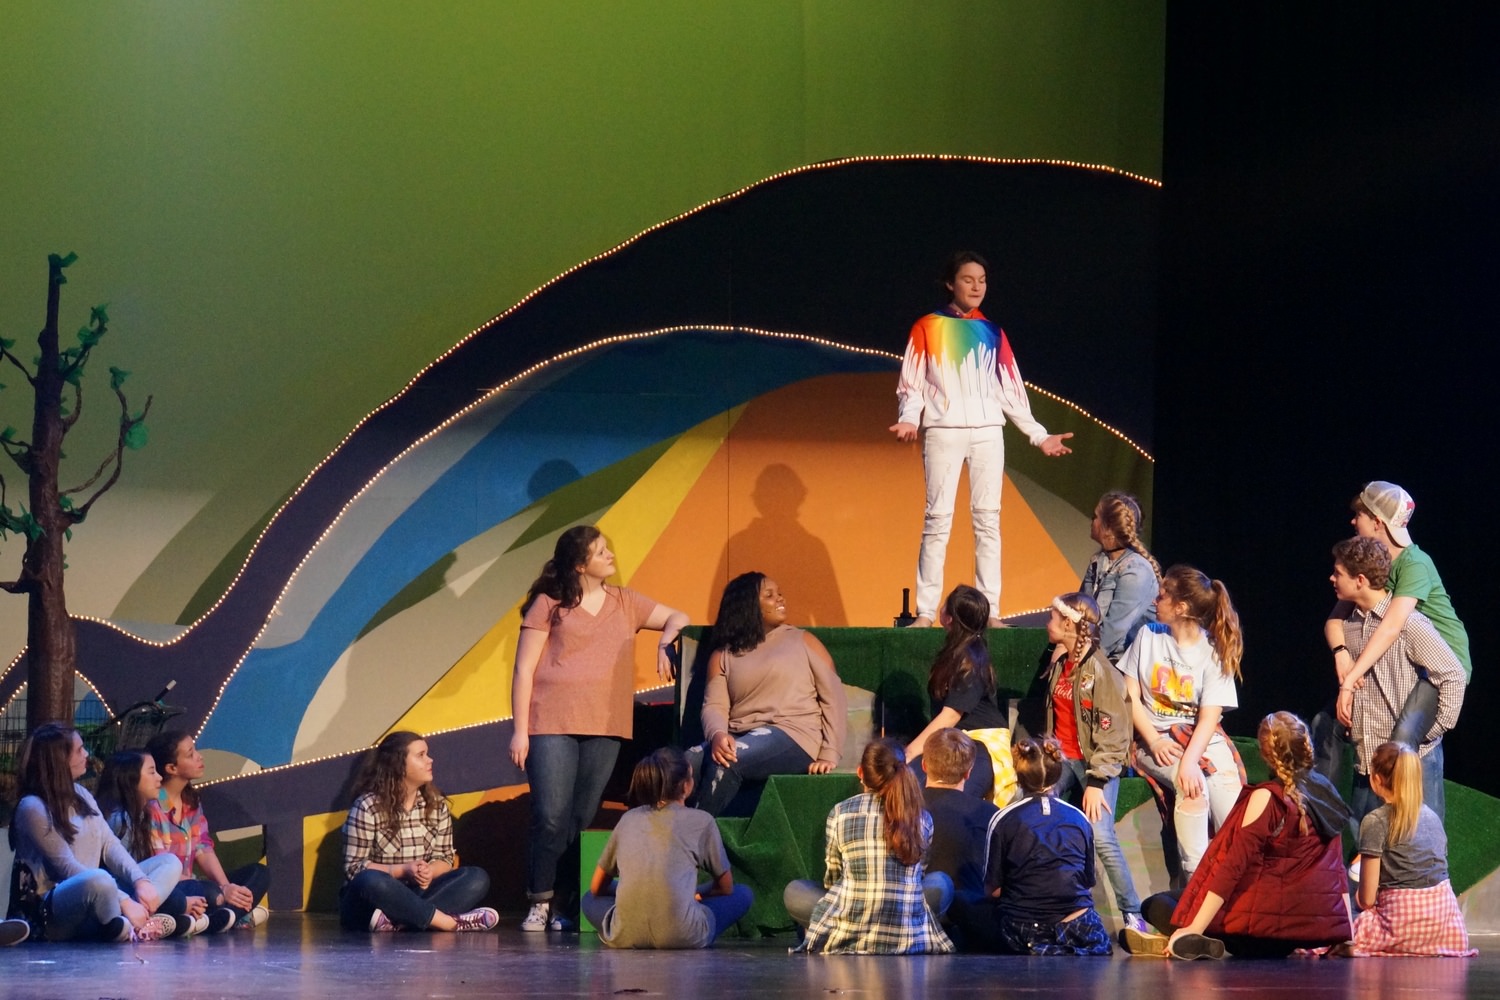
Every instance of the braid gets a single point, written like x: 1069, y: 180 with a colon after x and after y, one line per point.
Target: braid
x: 1127, y: 534
x: 1086, y: 627
x: 1287, y: 748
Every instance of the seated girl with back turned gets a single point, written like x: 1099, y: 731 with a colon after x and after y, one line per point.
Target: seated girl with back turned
x: 1272, y: 880
x: 657, y: 850
x: 398, y: 850
x: 1040, y: 874
x: 1409, y: 906
x: 879, y: 899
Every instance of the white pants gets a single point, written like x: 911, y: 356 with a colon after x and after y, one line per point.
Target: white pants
x: 1191, y: 816
x: 944, y: 452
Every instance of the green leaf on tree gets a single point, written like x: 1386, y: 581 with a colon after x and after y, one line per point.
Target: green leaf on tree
x: 65, y: 502
x: 8, y: 434
x: 117, y: 377
x: 135, y: 437
x: 88, y: 336
x: 99, y: 314
x: 7, y: 342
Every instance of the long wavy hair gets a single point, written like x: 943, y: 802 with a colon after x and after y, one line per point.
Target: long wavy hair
x: 560, y: 577
x: 965, y: 649
x: 1400, y: 770
x: 1208, y: 604
x: 884, y: 771
x: 164, y: 749
x: 740, y: 627
x: 46, y: 771
x: 1086, y: 628
x: 120, y: 791
x: 1039, y: 764
x: 659, y: 778
x: 1120, y: 513
x: 384, y: 777
x: 1287, y: 749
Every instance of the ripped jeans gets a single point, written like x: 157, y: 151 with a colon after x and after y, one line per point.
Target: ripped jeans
x: 761, y: 752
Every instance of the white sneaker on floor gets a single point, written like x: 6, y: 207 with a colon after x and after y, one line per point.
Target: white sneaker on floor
x: 191, y: 926
x: 257, y: 916
x: 539, y: 917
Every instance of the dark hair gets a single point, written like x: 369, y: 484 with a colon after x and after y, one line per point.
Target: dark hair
x: 1039, y: 764
x: 660, y: 777
x: 884, y: 772
x: 164, y: 749
x: 559, y: 579
x: 1366, y: 557
x: 739, y: 626
x: 966, y: 648
x: 120, y: 791
x: 948, y: 755
x: 1208, y: 604
x: 383, y: 776
x: 46, y: 772
x: 957, y: 260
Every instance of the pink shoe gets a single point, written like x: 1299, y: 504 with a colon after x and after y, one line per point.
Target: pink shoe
x: 380, y: 923
x: 482, y: 919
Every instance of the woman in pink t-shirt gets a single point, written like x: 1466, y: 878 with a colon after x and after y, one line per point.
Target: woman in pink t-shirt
x: 574, y: 696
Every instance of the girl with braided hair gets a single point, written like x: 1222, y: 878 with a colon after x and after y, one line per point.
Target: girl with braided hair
x: 1408, y: 902
x: 961, y: 686
x: 1273, y: 879
x: 1180, y: 675
x: 1088, y: 713
x: 1122, y: 578
x: 880, y: 900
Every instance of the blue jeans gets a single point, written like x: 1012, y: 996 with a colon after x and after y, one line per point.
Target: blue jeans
x: 80, y: 906
x: 1106, y: 843
x: 726, y: 910
x: 568, y: 775
x: 253, y: 876
x: 453, y: 892
x: 761, y: 752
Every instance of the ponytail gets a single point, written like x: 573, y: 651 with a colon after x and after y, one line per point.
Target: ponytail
x: 660, y: 777
x: 1209, y: 605
x: 1400, y: 770
x: 884, y: 771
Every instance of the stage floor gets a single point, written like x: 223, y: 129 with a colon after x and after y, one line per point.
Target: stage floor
x: 298, y: 955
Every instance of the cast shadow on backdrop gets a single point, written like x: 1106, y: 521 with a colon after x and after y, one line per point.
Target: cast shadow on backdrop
x: 775, y: 543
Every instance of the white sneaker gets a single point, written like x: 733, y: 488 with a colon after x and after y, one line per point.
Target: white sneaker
x: 192, y: 926
x: 156, y: 927
x: 257, y: 916
x: 539, y: 917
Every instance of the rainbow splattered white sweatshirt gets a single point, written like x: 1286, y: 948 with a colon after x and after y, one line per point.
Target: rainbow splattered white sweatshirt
x: 959, y: 372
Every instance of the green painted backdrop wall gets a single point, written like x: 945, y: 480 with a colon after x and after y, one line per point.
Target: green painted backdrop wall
x: 292, y: 206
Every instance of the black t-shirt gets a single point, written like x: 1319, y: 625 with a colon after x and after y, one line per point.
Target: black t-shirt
x: 975, y: 706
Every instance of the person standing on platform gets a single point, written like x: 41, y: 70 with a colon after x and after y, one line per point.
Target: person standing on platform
x: 773, y: 702
x: 959, y: 384
x: 1418, y: 655
x: 1382, y: 511
x: 574, y: 700
x: 1122, y: 578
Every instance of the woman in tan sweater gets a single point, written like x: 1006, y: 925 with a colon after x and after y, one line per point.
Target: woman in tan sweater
x: 774, y: 704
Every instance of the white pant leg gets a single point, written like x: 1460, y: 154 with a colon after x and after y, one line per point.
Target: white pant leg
x: 943, y: 452
x: 1224, y: 784
x: 986, y: 481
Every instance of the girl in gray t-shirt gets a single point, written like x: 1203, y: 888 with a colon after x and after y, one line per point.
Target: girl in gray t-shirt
x: 658, y: 850
x: 1409, y: 906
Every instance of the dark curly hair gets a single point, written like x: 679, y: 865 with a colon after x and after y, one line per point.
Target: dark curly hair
x: 739, y: 627
x: 384, y: 777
